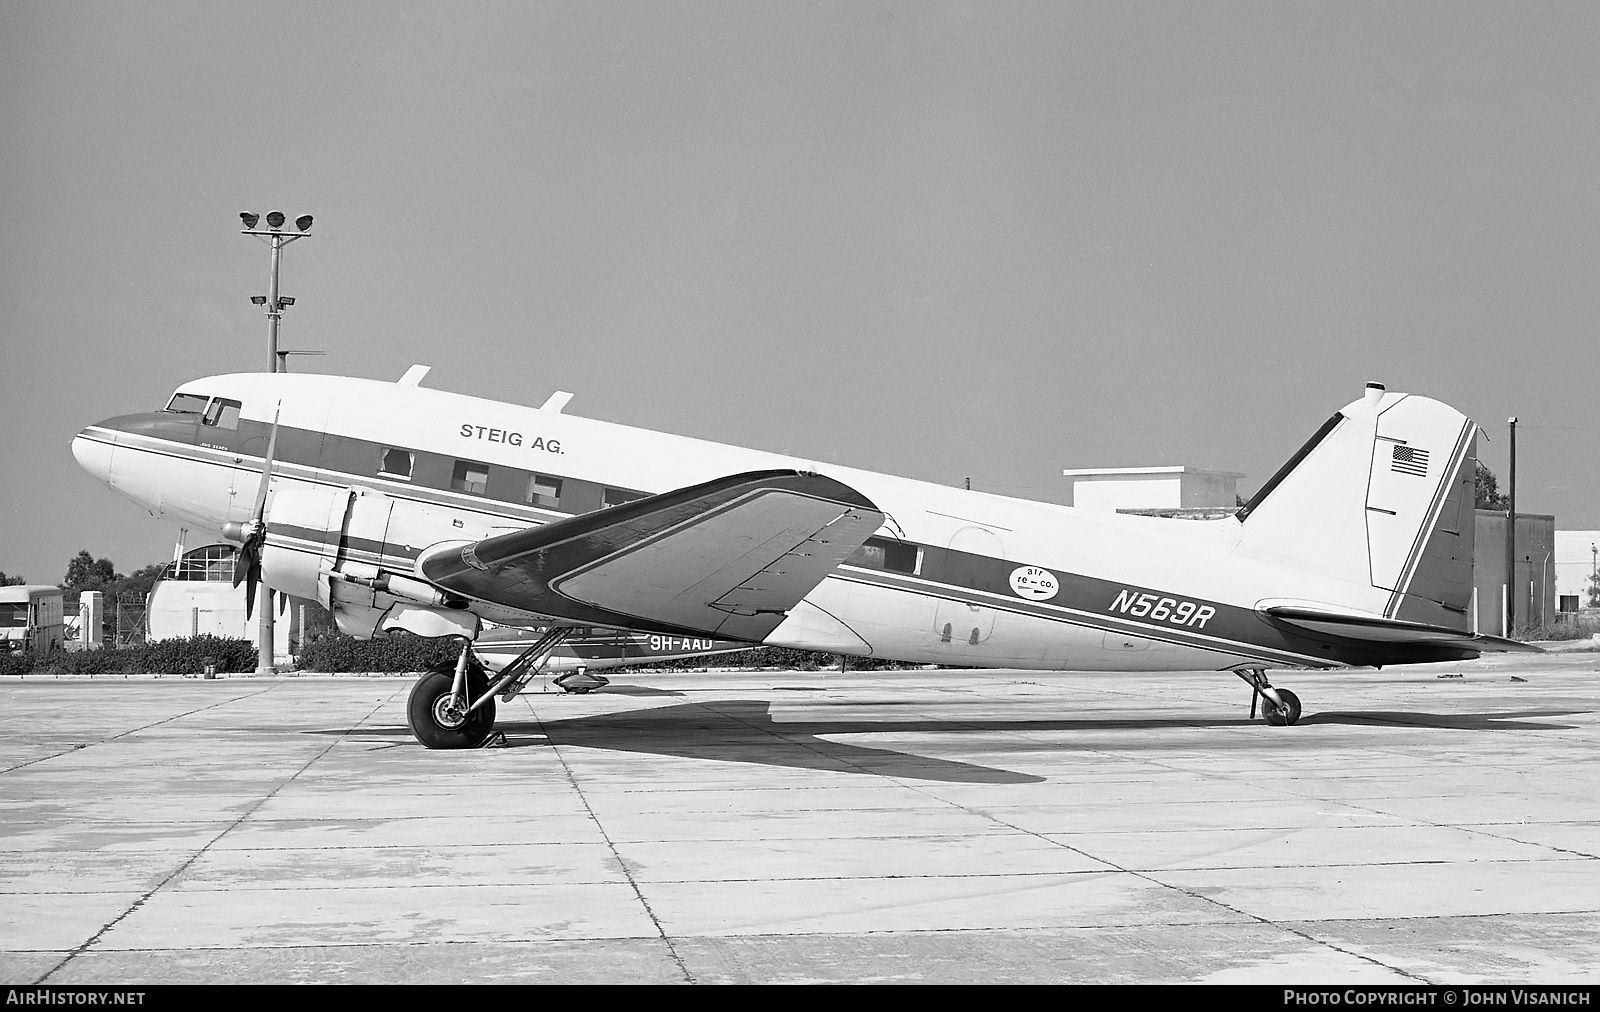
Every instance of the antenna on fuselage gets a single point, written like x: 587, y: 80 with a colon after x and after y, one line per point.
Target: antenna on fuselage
x: 413, y: 376
x: 556, y: 401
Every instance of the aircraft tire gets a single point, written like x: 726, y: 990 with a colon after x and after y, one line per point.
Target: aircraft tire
x: 428, y: 711
x: 1285, y: 715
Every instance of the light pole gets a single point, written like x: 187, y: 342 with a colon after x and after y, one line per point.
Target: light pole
x: 275, y: 304
x: 1511, y: 536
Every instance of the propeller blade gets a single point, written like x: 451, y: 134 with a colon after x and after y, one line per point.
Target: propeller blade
x: 257, y: 514
x: 242, y: 561
x: 250, y: 591
x: 247, y: 564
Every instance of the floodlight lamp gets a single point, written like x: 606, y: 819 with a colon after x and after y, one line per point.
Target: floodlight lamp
x: 258, y: 300
x: 249, y: 219
x: 274, y: 219
x: 303, y: 223
x: 285, y: 300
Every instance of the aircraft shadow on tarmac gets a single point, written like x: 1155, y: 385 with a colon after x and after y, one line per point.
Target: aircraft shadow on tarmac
x: 1517, y: 720
x: 744, y: 731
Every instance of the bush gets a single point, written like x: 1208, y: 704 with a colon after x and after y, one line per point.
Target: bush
x: 1567, y: 626
x: 166, y: 657
x: 396, y: 652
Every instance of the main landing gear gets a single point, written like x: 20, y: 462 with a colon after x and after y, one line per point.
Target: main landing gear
x: 454, y: 707
x: 441, y: 710
x: 1280, y: 707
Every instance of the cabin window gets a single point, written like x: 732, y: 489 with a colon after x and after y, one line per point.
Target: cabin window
x: 470, y: 476
x: 544, y: 490
x: 881, y: 553
x: 187, y: 404
x: 396, y: 463
x: 222, y: 413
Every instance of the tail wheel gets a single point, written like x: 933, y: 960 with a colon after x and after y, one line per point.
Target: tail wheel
x: 1281, y: 716
x: 441, y: 721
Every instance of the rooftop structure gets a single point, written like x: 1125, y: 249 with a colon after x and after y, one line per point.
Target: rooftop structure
x: 1171, y: 489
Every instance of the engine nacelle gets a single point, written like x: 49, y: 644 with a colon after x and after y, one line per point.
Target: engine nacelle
x: 352, y: 550
x: 306, y: 527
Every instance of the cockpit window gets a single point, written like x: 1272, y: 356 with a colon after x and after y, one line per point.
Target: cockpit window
x: 222, y: 413
x: 187, y: 404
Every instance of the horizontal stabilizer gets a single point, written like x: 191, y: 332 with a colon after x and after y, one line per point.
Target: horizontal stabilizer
x: 727, y: 558
x: 1377, y: 640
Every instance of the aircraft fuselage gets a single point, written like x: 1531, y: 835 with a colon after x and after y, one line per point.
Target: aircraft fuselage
x: 954, y: 577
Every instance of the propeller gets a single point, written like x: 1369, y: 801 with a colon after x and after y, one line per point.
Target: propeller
x: 252, y: 535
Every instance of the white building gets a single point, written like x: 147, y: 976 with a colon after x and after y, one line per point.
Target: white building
x: 1152, y: 488
x: 195, y: 596
x: 1577, y: 558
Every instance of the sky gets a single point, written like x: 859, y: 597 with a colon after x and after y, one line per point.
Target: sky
x: 951, y: 241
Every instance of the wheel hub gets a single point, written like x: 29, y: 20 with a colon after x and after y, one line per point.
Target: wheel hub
x: 449, y: 711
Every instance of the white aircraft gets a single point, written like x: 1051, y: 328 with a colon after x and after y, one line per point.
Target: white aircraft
x: 401, y: 507
x: 584, y: 650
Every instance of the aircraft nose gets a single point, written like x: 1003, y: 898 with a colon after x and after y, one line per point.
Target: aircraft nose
x: 93, y: 449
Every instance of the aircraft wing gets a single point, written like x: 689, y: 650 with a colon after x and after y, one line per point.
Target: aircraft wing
x: 727, y: 558
x: 1391, y: 641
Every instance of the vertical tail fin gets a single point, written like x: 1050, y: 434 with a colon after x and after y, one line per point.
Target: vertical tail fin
x: 1382, y: 496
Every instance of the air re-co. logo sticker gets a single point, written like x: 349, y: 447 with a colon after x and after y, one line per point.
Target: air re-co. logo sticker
x: 1034, y: 583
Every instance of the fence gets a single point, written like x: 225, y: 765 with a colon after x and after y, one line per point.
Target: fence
x: 126, y: 621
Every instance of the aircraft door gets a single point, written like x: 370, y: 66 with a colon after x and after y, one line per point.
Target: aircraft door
x: 972, y: 553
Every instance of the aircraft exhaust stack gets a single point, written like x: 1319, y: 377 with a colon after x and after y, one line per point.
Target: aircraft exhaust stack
x: 1374, y: 394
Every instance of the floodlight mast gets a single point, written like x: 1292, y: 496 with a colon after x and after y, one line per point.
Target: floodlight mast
x: 279, y: 239
x: 275, y: 304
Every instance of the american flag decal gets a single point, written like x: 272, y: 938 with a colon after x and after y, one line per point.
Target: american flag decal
x: 1410, y: 460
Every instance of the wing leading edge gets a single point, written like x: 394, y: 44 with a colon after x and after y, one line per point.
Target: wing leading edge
x: 727, y: 558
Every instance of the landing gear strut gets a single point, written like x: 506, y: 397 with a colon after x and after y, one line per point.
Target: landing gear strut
x: 453, y: 707
x: 1280, y: 707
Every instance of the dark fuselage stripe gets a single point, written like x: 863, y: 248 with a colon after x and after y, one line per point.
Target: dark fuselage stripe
x: 1077, y: 614
x: 948, y: 574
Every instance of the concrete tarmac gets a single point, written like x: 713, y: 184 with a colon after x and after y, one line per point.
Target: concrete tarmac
x: 918, y: 826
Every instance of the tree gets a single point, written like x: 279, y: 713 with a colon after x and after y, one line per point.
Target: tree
x: 1594, y: 590
x: 11, y: 581
x: 1486, y: 492
x: 85, y: 572
x: 136, y: 583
